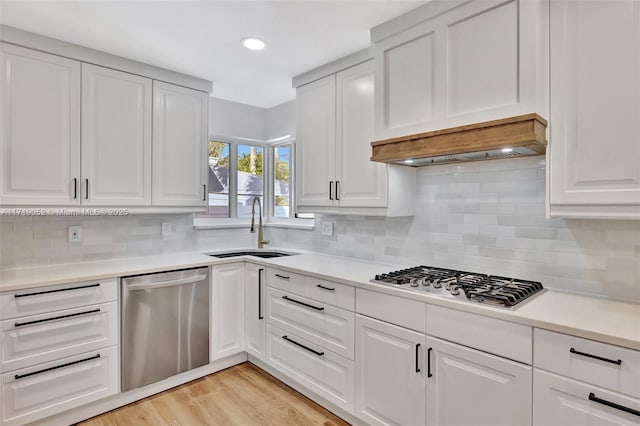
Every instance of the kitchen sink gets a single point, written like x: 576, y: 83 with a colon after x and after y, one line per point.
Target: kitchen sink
x: 257, y: 253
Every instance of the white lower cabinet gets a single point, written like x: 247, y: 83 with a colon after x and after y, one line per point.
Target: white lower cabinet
x: 227, y: 310
x: 390, y: 374
x: 254, y: 315
x: 563, y: 401
x: 469, y: 387
x: 45, y: 389
x: 329, y: 375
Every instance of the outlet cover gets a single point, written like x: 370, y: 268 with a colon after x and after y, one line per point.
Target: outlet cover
x: 327, y: 228
x: 75, y: 234
x: 166, y: 228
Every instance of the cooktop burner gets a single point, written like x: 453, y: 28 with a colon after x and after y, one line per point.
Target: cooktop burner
x: 471, y: 286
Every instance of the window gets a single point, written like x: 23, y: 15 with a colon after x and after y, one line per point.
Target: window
x: 239, y: 172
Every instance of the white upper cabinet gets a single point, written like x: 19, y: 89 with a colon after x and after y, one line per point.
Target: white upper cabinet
x: 334, y: 130
x: 180, y: 133
x: 39, y: 128
x: 595, y: 109
x: 463, y: 62
x: 116, y: 137
x: 316, y: 141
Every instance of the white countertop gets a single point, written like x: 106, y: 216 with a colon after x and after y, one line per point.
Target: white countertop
x: 594, y: 318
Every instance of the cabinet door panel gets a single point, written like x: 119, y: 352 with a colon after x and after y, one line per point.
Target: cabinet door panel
x: 39, y: 128
x: 179, y: 145
x: 389, y: 390
x: 227, y: 310
x: 116, y: 137
x: 362, y: 183
x: 316, y: 136
x: 595, y: 102
x: 254, y: 309
x: 494, y: 390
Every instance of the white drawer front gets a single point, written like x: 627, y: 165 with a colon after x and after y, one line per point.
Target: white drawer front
x: 491, y: 335
x: 395, y: 310
x: 285, y: 280
x: 562, y: 401
x: 328, y: 326
x: 336, y: 294
x: 54, y: 298
x: 576, y: 357
x: 329, y: 375
x: 76, y: 381
x: 40, y: 338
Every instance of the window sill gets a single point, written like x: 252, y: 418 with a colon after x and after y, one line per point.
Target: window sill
x: 304, y: 224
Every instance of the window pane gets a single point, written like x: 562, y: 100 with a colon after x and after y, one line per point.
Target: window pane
x: 282, y: 180
x: 250, y: 182
x: 218, y: 179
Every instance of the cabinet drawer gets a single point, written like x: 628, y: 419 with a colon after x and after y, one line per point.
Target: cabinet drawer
x: 40, y: 338
x: 324, y: 325
x: 395, y: 310
x: 323, y: 372
x: 490, y: 335
x: 563, y: 401
x: 285, y: 280
x: 54, y: 298
x: 40, y: 391
x: 589, y: 361
x: 336, y: 294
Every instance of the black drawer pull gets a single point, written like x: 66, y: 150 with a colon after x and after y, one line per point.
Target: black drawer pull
x: 302, y: 346
x: 22, y: 324
x: 417, y: 356
x: 429, y: 362
x: 22, y: 376
x: 56, y: 291
x: 317, y: 308
x: 325, y: 288
x: 612, y: 361
x: 284, y: 277
x: 260, y: 293
x: 594, y: 398
x: 75, y: 188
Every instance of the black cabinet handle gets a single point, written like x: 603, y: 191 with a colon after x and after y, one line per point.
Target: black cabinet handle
x: 22, y: 376
x: 260, y: 293
x: 284, y: 277
x: 325, y: 288
x: 55, y: 291
x: 331, y: 190
x: 417, y: 356
x: 75, y: 188
x: 204, y: 192
x: 594, y: 398
x: 317, y: 308
x: 86, y: 186
x: 302, y: 346
x: 429, y: 362
x: 338, y: 190
x: 22, y: 324
x: 612, y: 361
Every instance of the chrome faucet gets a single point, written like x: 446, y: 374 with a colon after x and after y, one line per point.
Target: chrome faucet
x: 261, y: 240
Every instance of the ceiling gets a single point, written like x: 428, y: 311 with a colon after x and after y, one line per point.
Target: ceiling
x: 202, y: 38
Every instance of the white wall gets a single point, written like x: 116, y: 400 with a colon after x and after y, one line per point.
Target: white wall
x: 281, y: 120
x: 236, y: 120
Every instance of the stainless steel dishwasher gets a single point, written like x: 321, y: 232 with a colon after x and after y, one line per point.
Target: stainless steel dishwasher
x: 165, y: 325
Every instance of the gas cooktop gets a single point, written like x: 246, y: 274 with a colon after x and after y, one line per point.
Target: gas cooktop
x: 461, y: 285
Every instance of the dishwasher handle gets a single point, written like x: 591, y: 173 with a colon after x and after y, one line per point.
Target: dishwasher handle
x: 170, y: 283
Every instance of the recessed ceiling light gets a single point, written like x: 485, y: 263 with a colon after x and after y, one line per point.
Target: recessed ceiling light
x: 253, y: 43
x: 507, y: 149
x: 408, y: 161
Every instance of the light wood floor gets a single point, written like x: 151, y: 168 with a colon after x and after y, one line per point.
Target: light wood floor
x: 241, y: 395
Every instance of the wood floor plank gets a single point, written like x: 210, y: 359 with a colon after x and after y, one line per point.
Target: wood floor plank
x: 242, y: 395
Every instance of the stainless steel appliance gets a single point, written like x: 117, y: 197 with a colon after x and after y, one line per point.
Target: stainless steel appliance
x: 165, y: 325
x: 461, y: 285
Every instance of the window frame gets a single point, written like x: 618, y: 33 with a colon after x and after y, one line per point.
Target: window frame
x: 202, y: 221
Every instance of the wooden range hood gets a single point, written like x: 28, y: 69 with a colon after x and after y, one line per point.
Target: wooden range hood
x: 508, y: 137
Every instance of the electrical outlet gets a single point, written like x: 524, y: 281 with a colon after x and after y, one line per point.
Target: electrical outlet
x: 166, y: 228
x: 327, y: 228
x: 75, y: 234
